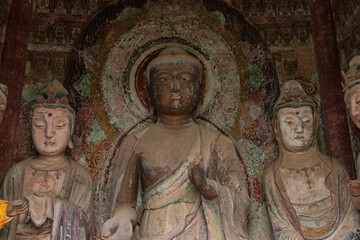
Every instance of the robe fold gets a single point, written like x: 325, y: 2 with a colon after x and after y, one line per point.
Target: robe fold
x: 69, y: 212
x: 284, y: 219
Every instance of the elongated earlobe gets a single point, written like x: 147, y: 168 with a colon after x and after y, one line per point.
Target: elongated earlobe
x: 71, y: 144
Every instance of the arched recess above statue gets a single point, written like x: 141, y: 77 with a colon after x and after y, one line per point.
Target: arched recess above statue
x: 104, y: 78
x: 236, y: 59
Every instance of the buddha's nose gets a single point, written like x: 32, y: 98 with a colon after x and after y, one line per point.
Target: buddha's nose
x: 175, y: 85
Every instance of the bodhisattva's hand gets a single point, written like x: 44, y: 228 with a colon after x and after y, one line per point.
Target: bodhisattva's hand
x: 120, y: 226
x: 17, y: 207
x: 354, y: 188
x: 197, y: 177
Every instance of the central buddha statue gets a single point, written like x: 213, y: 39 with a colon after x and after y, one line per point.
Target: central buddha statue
x: 305, y: 191
x: 191, y: 180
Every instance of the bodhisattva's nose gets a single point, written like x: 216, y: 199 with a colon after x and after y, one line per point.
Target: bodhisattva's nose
x: 299, y: 128
x: 49, y: 130
x: 355, y: 109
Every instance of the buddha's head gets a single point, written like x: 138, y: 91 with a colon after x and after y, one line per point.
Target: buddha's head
x: 3, y: 100
x: 352, y: 90
x: 295, y: 119
x: 52, y: 121
x: 174, y: 82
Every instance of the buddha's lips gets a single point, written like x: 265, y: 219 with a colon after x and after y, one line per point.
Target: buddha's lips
x: 175, y: 96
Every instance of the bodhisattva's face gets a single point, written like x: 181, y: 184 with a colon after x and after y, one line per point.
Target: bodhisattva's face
x: 175, y: 89
x: 2, y: 106
x: 51, y: 130
x: 296, y: 128
x: 355, y: 106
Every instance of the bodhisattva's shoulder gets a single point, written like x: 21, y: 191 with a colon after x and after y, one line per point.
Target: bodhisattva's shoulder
x: 81, y: 171
x: 18, y: 169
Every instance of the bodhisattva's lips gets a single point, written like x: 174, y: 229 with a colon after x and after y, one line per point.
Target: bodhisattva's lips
x: 49, y: 143
x: 175, y: 96
x: 299, y: 137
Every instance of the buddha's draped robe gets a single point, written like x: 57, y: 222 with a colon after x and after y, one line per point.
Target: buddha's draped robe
x: 173, y: 208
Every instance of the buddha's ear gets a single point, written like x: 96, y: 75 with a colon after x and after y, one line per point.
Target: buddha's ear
x: 71, y: 144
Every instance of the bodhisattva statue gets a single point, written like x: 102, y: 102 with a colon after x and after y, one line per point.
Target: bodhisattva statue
x: 49, y: 194
x: 352, y: 100
x: 305, y: 192
x: 193, y: 186
x: 3, y: 100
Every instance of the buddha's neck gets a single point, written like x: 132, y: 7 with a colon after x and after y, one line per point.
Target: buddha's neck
x: 49, y: 162
x: 299, y: 160
x: 175, y: 122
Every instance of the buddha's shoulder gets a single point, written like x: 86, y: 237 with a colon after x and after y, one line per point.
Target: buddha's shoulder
x: 137, y: 134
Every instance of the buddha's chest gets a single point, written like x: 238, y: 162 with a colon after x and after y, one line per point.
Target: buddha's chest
x: 43, y: 181
x: 162, y: 152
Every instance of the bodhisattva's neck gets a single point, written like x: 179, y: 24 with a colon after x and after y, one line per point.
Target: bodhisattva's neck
x: 49, y: 163
x: 298, y: 160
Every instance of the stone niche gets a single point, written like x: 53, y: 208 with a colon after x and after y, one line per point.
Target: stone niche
x: 104, y: 75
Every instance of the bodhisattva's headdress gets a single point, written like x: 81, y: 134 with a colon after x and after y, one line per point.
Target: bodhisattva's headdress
x: 292, y: 95
x: 55, y: 96
x: 173, y: 55
x: 3, y: 92
x: 351, y: 79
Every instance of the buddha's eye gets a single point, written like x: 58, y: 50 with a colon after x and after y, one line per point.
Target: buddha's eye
x: 185, y: 77
x: 162, y: 77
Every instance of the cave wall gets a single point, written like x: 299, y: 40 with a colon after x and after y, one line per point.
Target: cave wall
x: 249, y: 48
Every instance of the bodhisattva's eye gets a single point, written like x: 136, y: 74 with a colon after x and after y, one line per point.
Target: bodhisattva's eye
x: 60, y: 125
x: 307, y: 120
x: 39, y: 124
x: 289, y: 121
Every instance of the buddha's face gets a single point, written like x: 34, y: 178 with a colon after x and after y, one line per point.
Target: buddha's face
x: 51, y: 130
x: 296, y: 128
x: 355, y: 105
x: 174, y: 89
x: 2, y: 105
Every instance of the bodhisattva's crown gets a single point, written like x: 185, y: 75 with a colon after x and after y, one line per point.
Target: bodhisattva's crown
x: 55, y: 96
x: 292, y: 94
x: 351, y: 79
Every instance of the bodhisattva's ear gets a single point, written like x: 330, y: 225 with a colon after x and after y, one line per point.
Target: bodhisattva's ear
x: 71, y: 144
